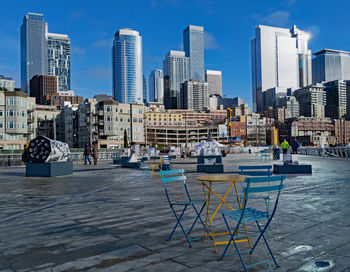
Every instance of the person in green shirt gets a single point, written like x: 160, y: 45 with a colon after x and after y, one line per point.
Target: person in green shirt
x: 285, y: 146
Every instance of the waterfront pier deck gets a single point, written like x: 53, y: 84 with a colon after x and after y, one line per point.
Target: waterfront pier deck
x: 107, y: 218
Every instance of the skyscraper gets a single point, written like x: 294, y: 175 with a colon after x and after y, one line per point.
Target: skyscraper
x: 193, y: 38
x: 58, y: 54
x: 33, y: 48
x: 329, y: 65
x: 156, y: 86
x: 127, y: 67
x: 280, y: 59
x: 336, y: 104
x: 176, y: 71
x: 144, y: 88
x: 215, y: 81
x: 312, y: 100
x: 194, y: 95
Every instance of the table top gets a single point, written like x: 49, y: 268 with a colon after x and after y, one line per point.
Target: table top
x: 222, y: 178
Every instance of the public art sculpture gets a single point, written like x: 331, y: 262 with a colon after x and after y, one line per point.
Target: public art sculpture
x: 44, y: 150
x: 47, y: 158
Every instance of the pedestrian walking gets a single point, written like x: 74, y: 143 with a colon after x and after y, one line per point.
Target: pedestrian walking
x: 95, y: 153
x: 295, y: 146
x: 285, y: 146
x: 87, y: 153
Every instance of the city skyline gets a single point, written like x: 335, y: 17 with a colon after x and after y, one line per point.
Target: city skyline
x: 91, y: 72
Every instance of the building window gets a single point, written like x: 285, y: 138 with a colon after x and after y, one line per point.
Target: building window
x: 1, y: 125
x: 121, y: 119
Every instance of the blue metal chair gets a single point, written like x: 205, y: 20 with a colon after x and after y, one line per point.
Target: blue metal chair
x: 258, y: 170
x: 178, y: 176
x: 248, y: 214
x: 145, y: 169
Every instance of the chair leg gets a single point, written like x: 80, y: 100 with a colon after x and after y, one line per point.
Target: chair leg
x: 267, y: 245
x: 198, y: 217
x: 178, y: 223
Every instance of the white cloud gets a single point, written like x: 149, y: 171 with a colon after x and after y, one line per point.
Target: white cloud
x: 77, y: 50
x: 103, y: 43
x: 209, y: 41
x: 276, y: 18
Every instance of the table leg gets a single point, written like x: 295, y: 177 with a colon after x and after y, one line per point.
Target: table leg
x: 245, y: 225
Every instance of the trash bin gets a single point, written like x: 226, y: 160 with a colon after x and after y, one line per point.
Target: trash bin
x: 276, y: 153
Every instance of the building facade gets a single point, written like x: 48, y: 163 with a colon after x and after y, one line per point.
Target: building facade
x: 330, y: 65
x: 127, y: 67
x: 7, y: 83
x: 280, y: 59
x: 193, y: 41
x: 214, y: 80
x: 290, y: 104
x: 42, y: 86
x: 194, y: 95
x: 312, y: 100
x: 33, y: 48
x: 176, y: 71
x: 336, y: 104
x: 342, y: 131
x: 16, y: 119
x: 156, y: 86
x: 58, y: 57
x: 256, y: 130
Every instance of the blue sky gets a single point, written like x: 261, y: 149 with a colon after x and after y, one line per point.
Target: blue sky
x: 229, y: 27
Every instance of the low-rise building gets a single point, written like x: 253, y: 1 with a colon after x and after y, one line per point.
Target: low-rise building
x: 7, y: 83
x: 342, y: 131
x: 16, y: 129
x: 312, y: 100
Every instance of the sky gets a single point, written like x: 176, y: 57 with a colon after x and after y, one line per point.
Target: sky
x: 228, y: 24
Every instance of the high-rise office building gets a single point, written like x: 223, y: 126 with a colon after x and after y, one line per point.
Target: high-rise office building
x: 329, y: 65
x: 280, y: 59
x: 33, y: 48
x: 193, y: 38
x: 291, y: 105
x: 312, y: 100
x: 176, y: 71
x: 58, y: 54
x: 214, y: 80
x: 195, y: 95
x: 156, y: 86
x: 144, y: 93
x: 335, y: 99
x: 127, y: 67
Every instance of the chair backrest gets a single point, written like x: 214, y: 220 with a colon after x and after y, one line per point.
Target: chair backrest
x: 256, y: 170
x: 177, y: 175
x: 257, y: 185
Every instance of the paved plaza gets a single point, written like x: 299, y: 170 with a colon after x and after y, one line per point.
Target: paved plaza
x: 107, y: 218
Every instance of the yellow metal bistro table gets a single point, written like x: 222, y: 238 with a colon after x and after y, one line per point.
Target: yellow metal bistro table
x: 208, y: 191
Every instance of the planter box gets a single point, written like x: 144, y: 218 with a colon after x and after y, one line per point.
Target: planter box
x: 50, y: 169
x: 200, y: 159
x: 214, y: 168
x: 292, y: 169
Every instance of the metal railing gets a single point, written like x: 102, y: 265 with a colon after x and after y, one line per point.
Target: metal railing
x: 8, y: 160
x: 338, y: 152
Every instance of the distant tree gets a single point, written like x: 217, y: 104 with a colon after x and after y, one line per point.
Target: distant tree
x: 126, y: 143
x: 3, y: 89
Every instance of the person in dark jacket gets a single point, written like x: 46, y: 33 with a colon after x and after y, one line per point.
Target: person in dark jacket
x: 87, y: 152
x: 295, y: 146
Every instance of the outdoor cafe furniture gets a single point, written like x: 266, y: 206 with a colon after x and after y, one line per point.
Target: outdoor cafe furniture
x: 178, y: 176
x: 209, y: 190
x: 247, y: 213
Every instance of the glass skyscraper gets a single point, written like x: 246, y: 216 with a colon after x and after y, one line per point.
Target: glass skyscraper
x: 193, y: 38
x: 58, y: 51
x: 156, y: 86
x: 33, y: 48
x: 329, y: 65
x: 127, y: 67
x: 281, y: 60
x: 176, y: 71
